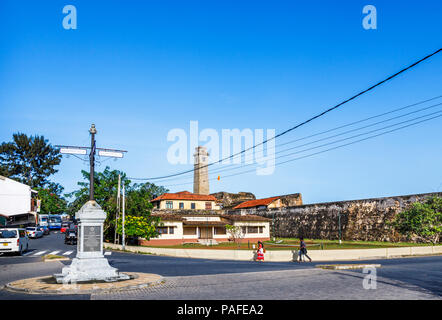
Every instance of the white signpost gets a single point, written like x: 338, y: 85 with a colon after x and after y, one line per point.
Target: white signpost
x: 90, y: 263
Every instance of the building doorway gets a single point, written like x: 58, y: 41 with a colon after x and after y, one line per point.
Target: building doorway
x: 205, y: 233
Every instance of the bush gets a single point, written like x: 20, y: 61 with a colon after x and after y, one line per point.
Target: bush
x: 421, y: 220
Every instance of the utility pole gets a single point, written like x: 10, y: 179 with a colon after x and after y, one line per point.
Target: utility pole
x: 339, y: 222
x: 117, y: 216
x: 122, y: 224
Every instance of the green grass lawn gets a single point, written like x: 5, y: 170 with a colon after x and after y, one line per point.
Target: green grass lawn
x: 292, y: 243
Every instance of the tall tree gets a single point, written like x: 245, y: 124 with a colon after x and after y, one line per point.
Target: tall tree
x: 30, y: 160
x: 52, y: 201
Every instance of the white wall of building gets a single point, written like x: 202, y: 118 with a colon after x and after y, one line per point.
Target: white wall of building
x: 265, y: 225
x: 15, y: 197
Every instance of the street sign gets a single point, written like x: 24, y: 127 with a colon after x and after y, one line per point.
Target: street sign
x: 113, y: 154
x: 68, y: 150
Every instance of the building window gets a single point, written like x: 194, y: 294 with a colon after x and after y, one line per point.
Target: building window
x: 181, y: 205
x: 208, y: 205
x: 244, y: 230
x: 169, y: 204
x: 261, y: 229
x: 192, y: 205
x: 171, y: 230
x: 252, y: 229
x: 220, y: 230
x: 189, y: 231
x: 162, y: 230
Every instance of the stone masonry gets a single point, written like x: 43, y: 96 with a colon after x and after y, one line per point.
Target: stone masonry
x: 201, y: 172
x: 365, y: 219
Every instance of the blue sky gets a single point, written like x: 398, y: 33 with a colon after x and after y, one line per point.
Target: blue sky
x: 138, y: 69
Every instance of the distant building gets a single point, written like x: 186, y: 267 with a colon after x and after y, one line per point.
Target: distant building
x: 208, y: 228
x: 288, y: 200
x: 185, y: 200
x: 17, y: 203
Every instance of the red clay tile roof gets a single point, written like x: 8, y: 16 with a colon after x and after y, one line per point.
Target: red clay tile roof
x: 184, y: 195
x: 256, y: 203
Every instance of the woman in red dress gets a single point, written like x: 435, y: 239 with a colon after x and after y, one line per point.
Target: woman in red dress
x: 260, y: 252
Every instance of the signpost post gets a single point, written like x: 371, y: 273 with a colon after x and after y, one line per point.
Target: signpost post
x: 90, y: 263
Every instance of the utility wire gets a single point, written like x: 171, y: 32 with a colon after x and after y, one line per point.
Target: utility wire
x: 304, y: 122
x: 343, y: 133
x: 330, y: 149
x: 333, y: 136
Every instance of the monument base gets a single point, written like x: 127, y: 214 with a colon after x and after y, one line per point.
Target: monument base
x: 89, y: 269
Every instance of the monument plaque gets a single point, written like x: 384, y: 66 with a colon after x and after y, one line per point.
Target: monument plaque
x: 92, y: 238
x: 90, y: 264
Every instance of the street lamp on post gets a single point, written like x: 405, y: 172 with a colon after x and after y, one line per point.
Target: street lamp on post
x: 92, y: 131
x: 339, y: 223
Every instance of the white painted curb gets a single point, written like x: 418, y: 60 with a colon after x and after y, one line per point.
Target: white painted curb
x: 284, y: 255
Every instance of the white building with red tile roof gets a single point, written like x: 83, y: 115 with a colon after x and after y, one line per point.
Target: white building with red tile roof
x: 207, y: 228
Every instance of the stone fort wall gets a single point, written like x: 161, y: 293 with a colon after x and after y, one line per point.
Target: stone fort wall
x: 364, y: 219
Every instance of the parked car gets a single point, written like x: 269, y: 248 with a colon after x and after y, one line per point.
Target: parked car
x: 71, y: 235
x: 44, y: 229
x: 64, y: 226
x: 34, y: 232
x: 13, y: 240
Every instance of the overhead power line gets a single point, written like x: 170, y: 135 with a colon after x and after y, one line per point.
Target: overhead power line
x: 219, y: 170
x: 436, y: 115
x: 304, y: 122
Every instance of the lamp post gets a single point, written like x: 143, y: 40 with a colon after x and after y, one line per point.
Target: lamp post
x: 339, y: 224
x: 92, y: 131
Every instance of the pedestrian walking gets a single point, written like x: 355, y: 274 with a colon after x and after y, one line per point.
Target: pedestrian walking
x: 260, y: 252
x: 303, y: 250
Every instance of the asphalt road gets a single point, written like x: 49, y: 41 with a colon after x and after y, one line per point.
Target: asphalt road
x: 403, y: 278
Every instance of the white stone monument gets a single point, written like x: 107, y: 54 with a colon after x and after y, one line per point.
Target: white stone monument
x: 90, y: 263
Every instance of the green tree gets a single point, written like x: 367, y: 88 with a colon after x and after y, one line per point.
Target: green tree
x: 30, y: 160
x: 138, y: 226
x: 138, y: 197
x: 421, y: 220
x: 52, y: 201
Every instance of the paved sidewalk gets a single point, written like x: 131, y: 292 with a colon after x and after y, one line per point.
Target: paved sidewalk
x: 275, y: 285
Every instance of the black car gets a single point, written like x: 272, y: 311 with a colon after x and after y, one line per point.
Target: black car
x: 70, y: 236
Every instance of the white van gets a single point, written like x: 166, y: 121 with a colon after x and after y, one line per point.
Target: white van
x: 13, y: 240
